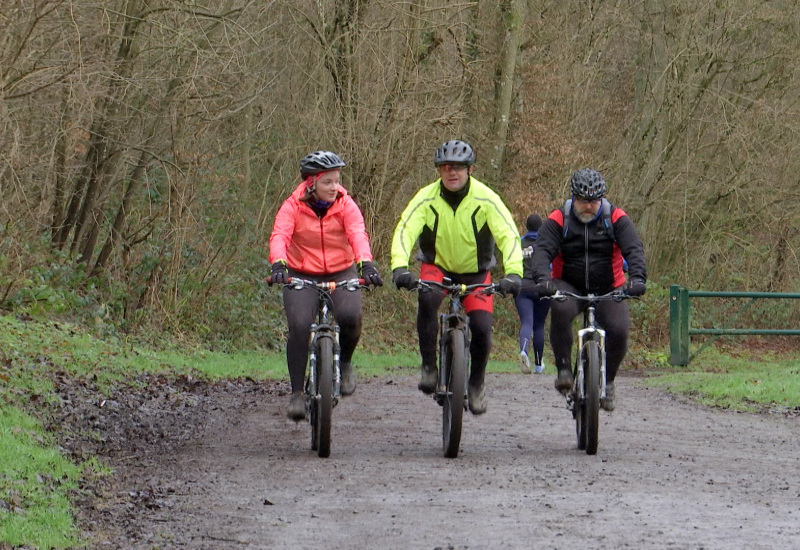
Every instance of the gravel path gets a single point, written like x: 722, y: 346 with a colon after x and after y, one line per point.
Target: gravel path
x: 237, y: 474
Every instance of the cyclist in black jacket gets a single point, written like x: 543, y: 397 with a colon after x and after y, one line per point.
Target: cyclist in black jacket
x: 587, y: 254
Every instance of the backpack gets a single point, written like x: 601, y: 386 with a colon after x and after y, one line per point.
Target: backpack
x: 567, y: 208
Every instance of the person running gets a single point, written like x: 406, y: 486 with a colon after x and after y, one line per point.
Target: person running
x: 531, y: 310
x: 457, y: 220
x: 319, y: 235
x: 586, y: 242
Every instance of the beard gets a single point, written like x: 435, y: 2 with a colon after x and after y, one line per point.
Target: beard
x: 586, y: 218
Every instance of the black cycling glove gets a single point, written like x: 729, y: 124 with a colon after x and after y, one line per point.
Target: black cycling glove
x: 546, y: 288
x: 510, y: 284
x: 279, y: 275
x: 635, y: 287
x: 403, y: 278
x: 370, y: 274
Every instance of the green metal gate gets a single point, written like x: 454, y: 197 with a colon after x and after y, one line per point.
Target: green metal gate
x: 680, y: 332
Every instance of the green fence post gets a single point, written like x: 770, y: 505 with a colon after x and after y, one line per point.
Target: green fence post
x: 678, y: 325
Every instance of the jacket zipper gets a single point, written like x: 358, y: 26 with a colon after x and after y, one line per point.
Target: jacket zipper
x: 586, y: 255
x: 322, y: 245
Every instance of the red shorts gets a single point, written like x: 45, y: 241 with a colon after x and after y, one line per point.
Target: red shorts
x: 472, y: 302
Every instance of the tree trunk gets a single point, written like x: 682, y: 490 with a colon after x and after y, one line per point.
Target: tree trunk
x: 122, y: 213
x: 514, y: 19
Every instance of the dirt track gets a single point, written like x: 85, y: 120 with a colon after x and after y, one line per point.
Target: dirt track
x: 220, y: 467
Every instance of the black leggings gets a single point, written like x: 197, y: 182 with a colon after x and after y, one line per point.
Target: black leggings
x: 301, y: 310
x: 480, y: 326
x: 612, y: 316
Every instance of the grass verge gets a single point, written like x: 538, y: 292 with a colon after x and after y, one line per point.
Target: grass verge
x: 742, y: 381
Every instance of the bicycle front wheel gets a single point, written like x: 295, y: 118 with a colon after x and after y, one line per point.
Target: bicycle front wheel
x: 323, y: 401
x: 455, y: 386
x: 588, y: 417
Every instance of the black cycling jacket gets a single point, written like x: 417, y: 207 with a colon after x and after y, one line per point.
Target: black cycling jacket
x: 585, y: 255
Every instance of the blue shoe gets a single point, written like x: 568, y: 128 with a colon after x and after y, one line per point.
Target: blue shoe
x: 538, y: 369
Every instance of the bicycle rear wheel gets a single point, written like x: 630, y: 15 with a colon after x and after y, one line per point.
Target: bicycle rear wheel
x: 455, y: 386
x: 322, y: 402
x: 588, y: 417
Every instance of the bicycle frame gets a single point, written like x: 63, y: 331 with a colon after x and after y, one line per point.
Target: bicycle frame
x: 325, y: 327
x: 455, y: 318
x: 323, y: 382
x: 590, y: 331
x: 589, y: 387
x: 451, y: 388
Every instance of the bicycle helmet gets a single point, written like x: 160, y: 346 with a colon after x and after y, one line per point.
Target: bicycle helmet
x: 320, y: 161
x: 588, y: 184
x: 454, y: 152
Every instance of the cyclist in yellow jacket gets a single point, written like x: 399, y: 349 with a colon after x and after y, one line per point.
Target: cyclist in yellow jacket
x: 457, y: 221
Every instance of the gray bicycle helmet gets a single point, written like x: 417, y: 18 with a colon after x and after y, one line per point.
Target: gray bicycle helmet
x: 454, y: 152
x: 588, y: 184
x: 320, y: 161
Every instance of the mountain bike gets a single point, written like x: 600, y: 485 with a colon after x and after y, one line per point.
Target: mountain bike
x: 451, y: 389
x: 323, y: 376
x: 589, y: 386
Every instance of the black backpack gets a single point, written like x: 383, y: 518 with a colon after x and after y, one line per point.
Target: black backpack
x: 567, y: 209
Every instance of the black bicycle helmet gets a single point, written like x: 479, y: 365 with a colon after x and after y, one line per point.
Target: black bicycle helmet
x: 588, y: 184
x: 454, y: 152
x: 320, y: 161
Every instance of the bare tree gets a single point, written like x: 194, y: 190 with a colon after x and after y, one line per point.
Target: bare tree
x: 515, y: 17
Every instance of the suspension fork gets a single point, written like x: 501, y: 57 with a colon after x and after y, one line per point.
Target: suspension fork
x: 324, y: 329
x: 591, y: 332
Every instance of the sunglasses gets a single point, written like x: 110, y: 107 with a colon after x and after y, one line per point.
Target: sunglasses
x: 454, y: 167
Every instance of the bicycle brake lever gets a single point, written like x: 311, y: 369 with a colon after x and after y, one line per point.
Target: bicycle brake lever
x: 354, y: 284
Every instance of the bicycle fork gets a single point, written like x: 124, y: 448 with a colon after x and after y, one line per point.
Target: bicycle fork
x: 586, y: 335
x: 317, y: 332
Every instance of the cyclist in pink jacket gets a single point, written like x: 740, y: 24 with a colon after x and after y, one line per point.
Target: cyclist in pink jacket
x: 319, y: 235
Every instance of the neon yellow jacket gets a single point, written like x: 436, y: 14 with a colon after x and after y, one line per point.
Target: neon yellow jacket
x: 462, y: 241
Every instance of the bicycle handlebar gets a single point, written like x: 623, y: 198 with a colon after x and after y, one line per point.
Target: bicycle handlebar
x: 486, y: 288
x: 616, y: 295
x: 347, y: 284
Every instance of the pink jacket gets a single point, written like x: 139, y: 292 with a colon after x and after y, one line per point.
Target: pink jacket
x: 318, y: 246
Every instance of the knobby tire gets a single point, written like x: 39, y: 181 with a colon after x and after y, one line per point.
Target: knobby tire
x: 455, y: 386
x: 591, y: 404
x: 579, y: 407
x: 324, y: 397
